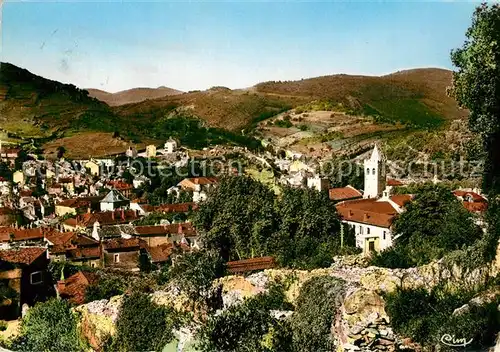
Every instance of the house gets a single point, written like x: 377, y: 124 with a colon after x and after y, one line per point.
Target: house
x: 5, y: 186
x: 120, y: 186
x: 318, y: 183
x: 340, y: 194
x: 122, y: 253
x: 170, y: 146
x: 370, y: 217
x: 93, y: 167
x: 252, y: 264
x: 79, y: 205
x: 87, y: 220
x: 472, y: 201
x: 18, y: 177
x: 17, y: 237
x: 131, y: 152
x: 73, y: 288
x: 8, y: 216
x: 114, y: 200
x: 156, y: 235
x: 150, y: 151
x: 138, y: 181
x: 199, y: 186
x: 23, y: 273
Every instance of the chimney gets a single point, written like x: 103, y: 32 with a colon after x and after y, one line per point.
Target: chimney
x: 366, y: 217
x: 123, y: 214
x: 89, y: 210
x: 350, y: 214
x: 179, y: 229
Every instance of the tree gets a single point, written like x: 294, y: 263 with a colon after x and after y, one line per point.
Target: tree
x: 316, y: 304
x: 476, y: 86
x: 309, y: 231
x: 49, y: 326
x: 245, y: 326
x: 60, y: 151
x: 342, y: 172
x: 194, y: 273
x: 143, y: 325
x: 434, y: 223
x: 238, y: 218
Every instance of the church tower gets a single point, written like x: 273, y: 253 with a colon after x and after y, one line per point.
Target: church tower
x: 374, y: 168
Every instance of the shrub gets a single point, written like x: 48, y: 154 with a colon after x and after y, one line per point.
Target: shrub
x: 316, y: 305
x: 143, y: 325
x: 49, y: 326
x: 106, y: 287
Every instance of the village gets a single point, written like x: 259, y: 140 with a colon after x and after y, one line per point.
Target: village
x: 88, y: 213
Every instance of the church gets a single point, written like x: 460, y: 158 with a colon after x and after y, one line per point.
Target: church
x: 370, y: 213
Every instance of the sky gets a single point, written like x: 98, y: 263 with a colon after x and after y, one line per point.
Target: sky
x: 199, y: 44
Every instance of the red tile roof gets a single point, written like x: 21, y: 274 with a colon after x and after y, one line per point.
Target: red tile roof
x: 394, y: 183
x: 84, y: 253
x: 74, y: 287
x: 24, y: 256
x: 185, y: 228
x: 191, y: 182
x: 79, y: 202
x: 401, y: 199
x: 476, y: 207
x: 104, y: 218
x: 161, y: 253
x: 246, y: 265
x: 8, y: 233
x: 120, y: 185
x: 472, y: 195
x: 175, y: 208
x: 368, y: 211
x: 344, y: 193
x: 122, y: 243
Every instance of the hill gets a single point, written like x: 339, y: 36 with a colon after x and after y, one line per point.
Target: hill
x: 129, y: 96
x: 330, y: 109
x: 34, y: 107
x: 415, y: 97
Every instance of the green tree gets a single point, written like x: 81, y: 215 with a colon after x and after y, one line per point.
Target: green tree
x: 238, y: 218
x: 245, y: 326
x: 143, y: 325
x: 194, y: 273
x: 49, y: 326
x: 476, y: 85
x: 316, y: 304
x: 434, y: 223
x: 309, y: 231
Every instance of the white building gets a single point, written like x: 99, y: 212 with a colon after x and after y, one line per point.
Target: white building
x: 114, y: 200
x: 318, y: 183
x: 371, y: 218
x: 170, y: 146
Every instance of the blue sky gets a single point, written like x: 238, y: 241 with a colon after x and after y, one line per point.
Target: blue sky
x: 196, y: 45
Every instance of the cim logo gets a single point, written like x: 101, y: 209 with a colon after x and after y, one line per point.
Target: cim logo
x: 452, y: 341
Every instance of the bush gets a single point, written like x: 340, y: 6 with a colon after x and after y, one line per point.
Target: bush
x: 106, y: 287
x: 317, y: 303
x: 427, y: 316
x: 143, y: 325
x: 49, y: 326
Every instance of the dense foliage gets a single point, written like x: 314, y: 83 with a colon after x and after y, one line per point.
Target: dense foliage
x: 248, y: 326
x: 143, y: 325
x: 195, y: 272
x: 49, y: 326
x: 434, y: 223
x: 427, y: 316
x: 317, y: 303
x: 244, y: 219
x: 476, y: 85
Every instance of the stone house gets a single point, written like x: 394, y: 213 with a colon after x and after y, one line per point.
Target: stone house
x: 122, y: 253
x: 23, y: 272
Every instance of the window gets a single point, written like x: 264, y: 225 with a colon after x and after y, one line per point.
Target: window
x: 116, y: 258
x: 367, y: 230
x: 36, y: 278
x: 373, y: 171
x: 360, y: 229
x: 367, y: 171
x: 384, y: 235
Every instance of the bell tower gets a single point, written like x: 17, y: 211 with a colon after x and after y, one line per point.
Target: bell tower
x: 374, y: 169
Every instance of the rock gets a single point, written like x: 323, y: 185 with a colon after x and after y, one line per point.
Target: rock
x: 350, y: 347
x: 364, y: 307
x: 462, y: 310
